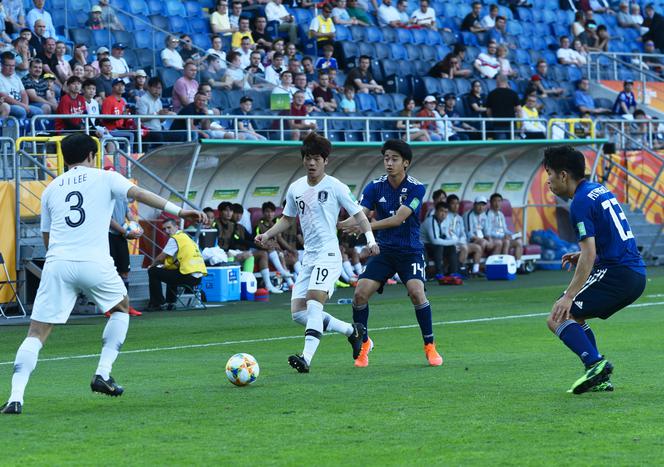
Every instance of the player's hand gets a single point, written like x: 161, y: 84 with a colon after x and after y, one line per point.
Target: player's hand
x: 194, y: 216
x: 133, y: 234
x: 560, y: 311
x: 263, y: 241
x: 570, y: 260
x: 373, y: 248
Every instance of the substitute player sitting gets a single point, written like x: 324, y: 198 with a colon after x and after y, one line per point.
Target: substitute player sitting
x: 396, y: 199
x: 76, y: 210
x: 610, y: 273
x: 317, y: 199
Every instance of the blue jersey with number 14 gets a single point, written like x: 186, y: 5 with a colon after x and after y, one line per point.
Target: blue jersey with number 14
x: 595, y: 212
x: 381, y: 197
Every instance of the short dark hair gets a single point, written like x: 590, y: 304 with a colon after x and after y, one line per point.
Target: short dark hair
x: 224, y: 205
x: 73, y: 79
x: 437, y: 193
x: 399, y: 146
x: 362, y: 57
x: 155, y: 80
x: 494, y: 196
x: 441, y: 204
x: 565, y: 157
x: 268, y: 205
x: 7, y: 56
x: 307, y: 58
x: 208, y: 209
x: 89, y: 82
x: 237, y: 208
x: 104, y: 60
x: 316, y: 145
x: 451, y: 198
x: 231, y: 56
x: 77, y: 147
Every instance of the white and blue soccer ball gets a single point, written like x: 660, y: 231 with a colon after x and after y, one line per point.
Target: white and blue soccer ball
x: 242, y: 369
x: 133, y: 227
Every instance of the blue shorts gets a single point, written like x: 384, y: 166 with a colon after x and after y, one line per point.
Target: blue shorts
x: 607, y: 291
x: 382, y: 267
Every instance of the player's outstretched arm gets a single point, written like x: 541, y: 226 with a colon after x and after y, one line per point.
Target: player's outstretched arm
x: 263, y: 239
x: 157, y: 202
x: 365, y: 228
x: 586, y: 261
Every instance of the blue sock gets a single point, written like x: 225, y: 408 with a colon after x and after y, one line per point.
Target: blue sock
x: 574, y: 337
x: 423, y: 313
x: 361, y: 315
x: 590, y: 335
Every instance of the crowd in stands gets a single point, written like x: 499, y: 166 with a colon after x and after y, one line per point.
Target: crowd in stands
x: 439, y: 60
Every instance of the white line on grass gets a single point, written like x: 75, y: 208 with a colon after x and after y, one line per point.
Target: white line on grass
x: 282, y: 338
x: 655, y: 295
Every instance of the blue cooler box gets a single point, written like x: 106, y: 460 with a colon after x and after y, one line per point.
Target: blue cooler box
x: 501, y: 267
x: 222, y: 284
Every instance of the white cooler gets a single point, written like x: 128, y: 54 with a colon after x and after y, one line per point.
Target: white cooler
x: 501, y: 267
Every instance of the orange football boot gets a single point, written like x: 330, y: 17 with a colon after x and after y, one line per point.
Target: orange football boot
x: 363, y: 359
x: 432, y: 355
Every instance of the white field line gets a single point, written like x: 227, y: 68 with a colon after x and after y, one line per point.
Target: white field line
x: 655, y: 295
x: 299, y: 336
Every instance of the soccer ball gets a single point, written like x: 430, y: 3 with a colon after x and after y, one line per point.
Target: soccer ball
x: 242, y: 369
x: 133, y: 227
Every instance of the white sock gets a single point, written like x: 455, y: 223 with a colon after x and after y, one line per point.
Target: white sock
x: 112, y: 340
x: 297, y: 267
x: 24, y: 363
x: 314, y: 329
x: 276, y: 262
x: 265, y: 274
x: 289, y: 281
x: 357, y: 267
x: 332, y: 324
x: 344, y: 275
x: 300, y: 317
x: 349, y: 269
x: 476, y: 268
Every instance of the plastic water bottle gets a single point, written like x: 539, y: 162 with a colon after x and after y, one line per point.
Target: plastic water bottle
x: 345, y: 301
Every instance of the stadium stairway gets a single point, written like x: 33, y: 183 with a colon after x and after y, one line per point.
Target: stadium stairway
x: 646, y: 233
x: 139, y: 293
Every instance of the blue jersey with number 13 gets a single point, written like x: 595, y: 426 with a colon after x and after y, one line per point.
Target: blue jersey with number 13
x: 595, y: 212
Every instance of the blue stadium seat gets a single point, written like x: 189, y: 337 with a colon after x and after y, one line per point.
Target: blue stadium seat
x: 442, y: 51
x: 433, y: 38
x: 138, y: 7
x: 169, y: 76
x: 145, y: 58
x: 178, y: 24
x: 357, y: 33
x: 400, y: 85
x: 385, y: 103
x: 525, y: 42
x: 525, y: 14
x: 491, y: 84
x: 450, y: 11
x: 565, y: 17
x: 549, y: 16
x: 137, y: 24
x: 261, y: 99
x: 155, y: 7
x: 525, y: 71
x: 428, y: 53
x: 143, y: 40
x: 132, y: 60
x: 462, y: 85
x: 80, y: 35
x: 343, y: 33
x: 194, y: 9
x: 538, y: 15
x: 374, y: 34
x: 159, y: 21
x: 234, y: 98
x: 574, y: 73
x: 447, y: 85
x: 125, y: 37
x: 404, y: 36
x: 398, y: 51
x: 304, y: 16
x: 412, y: 51
x: 432, y: 85
x: 199, y: 25
x: 366, y: 102
x: 534, y: 56
x: 377, y: 70
x: 335, y: 136
x: 421, y: 67
x: 76, y: 19
x: 367, y: 48
x: 469, y: 38
x: 521, y: 57
x: 514, y: 27
x: 398, y: 101
x: 382, y: 50
x: 175, y: 8
x: 390, y: 68
x: 389, y: 34
x: 419, y: 36
x: 350, y: 50
x: 201, y: 40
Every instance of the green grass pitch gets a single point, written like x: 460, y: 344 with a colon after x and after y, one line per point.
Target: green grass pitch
x: 499, y: 399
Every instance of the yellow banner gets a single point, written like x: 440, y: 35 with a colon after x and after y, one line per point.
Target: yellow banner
x: 7, y: 236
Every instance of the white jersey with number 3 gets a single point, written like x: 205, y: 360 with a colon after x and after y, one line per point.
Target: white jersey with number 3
x: 76, y: 212
x: 318, y: 208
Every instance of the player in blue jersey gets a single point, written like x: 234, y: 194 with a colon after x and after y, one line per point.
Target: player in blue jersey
x: 610, y: 273
x: 396, y: 199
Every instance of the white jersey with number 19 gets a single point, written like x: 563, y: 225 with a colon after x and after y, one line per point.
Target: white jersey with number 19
x: 76, y: 212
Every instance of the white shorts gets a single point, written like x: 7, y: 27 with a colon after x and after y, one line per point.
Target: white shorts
x: 318, y: 276
x: 62, y: 281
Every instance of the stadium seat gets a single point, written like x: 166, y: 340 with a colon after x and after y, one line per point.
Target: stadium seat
x: 76, y: 18
x: 159, y: 22
x: 175, y: 8
x: 469, y: 38
x: 382, y: 50
x: 304, y: 16
x: 131, y: 59
x: 194, y: 9
x: 525, y: 42
x: 102, y: 37
x: 432, y: 85
x: 343, y: 33
x: 199, y: 25
x: 514, y: 27
x: 367, y: 48
x: 521, y: 57
x: 447, y: 86
x: 82, y: 36
x: 350, y: 50
x: 178, y: 24
x: 80, y: 5
x: 462, y: 85
x: 419, y: 36
x: 389, y: 34
x: 144, y: 40
x: 603, y: 102
x: 155, y: 7
x: 441, y: 51
x: 525, y: 14
x: 549, y: 16
x: 428, y: 53
x: 419, y: 89
x: 404, y: 36
x: 261, y: 99
x: 145, y: 58
x: 448, y: 38
x: 421, y: 68
x: 385, y: 103
x: 169, y: 76
x: 377, y: 71
x: 366, y: 102
x: 574, y: 73
x: 125, y: 37
x: 374, y: 34
x: 201, y: 40
x: 433, y: 38
x: 357, y: 33
x: 412, y: 51
x: 397, y: 99
x: 138, y: 24
x: 549, y: 56
x: 398, y: 51
x: 138, y: 7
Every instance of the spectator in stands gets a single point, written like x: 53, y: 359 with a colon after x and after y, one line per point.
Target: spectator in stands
x: 109, y: 18
x: 458, y: 230
x: 39, y: 13
x: 361, y: 78
x: 447, y: 106
x: 12, y: 91
x: 38, y: 38
x: 255, y: 70
x: 300, y: 84
x: 440, y: 241
x: 185, y: 87
x: 278, y: 46
x: 584, y: 101
x: 322, y: 27
x: 347, y: 103
x: 424, y: 16
x: 568, y: 56
x: 505, y: 68
x: 327, y: 61
x: 14, y: 16
x: 246, y: 125
x: 101, y: 53
x: 260, y: 36
x: 78, y: 70
x: 5, y: 40
x: 499, y: 32
x: 580, y: 49
x: 340, y: 15
x: 36, y: 88
x: 602, y: 42
x: 291, y: 53
x: 625, y: 103
x: 80, y: 55
x: 48, y: 58
x: 275, y: 11
x: 411, y: 130
x: 589, y: 37
x: 334, y: 86
x: 94, y: 21
x: 531, y: 127
x: 651, y: 63
x: 235, y: 15
x: 578, y: 27
x: 21, y: 51
x: 476, y: 104
x: 89, y: 72
x: 309, y: 70
x: 486, y: 63
x: 489, y: 21
x: 443, y: 123
x: 294, y: 66
x: 219, y: 20
x: 388, y: 15
x: 92, y: 105
x: 105, y: 79
x: 137, y: 87
x: 114, y: 104
x: 170, y: 56
x: 501, y: 236
x: 216, y: 50
x: 472, y: 21
x: 187, y: 51
x: 299, y: 128
x: 182, y: 265
x: 323, y: 95
x: 357, y: 12
x: 245, y: 50
x: 624, y: 17
x: 206, y: 89
x: 654, y: 22
x: 502, y: 102
x: 200, y: 127
x: 476, y: 223
x: 214, y: 75
x: 428, y: 110
x: 273, y: 72
x: 242, y: 32
x: 541, y: 85
x: 235, y: 73
x: 150, y: 104
x: 402, y: 8
x: 71, y: 103
x: 63, y: 69
x: 449, y: 67
x: 598, y: 6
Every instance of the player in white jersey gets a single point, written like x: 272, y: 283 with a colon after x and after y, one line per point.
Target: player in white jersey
x: 76, y: 212
x: 317, y: 199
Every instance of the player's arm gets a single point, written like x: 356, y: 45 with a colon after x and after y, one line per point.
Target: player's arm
x: 394, y: 220
x: 584, y: 265
x: 159, y: 259
x: 157, y: 202
x: 365, y: 227
x: 115, y: 225
x: 281, y: 226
